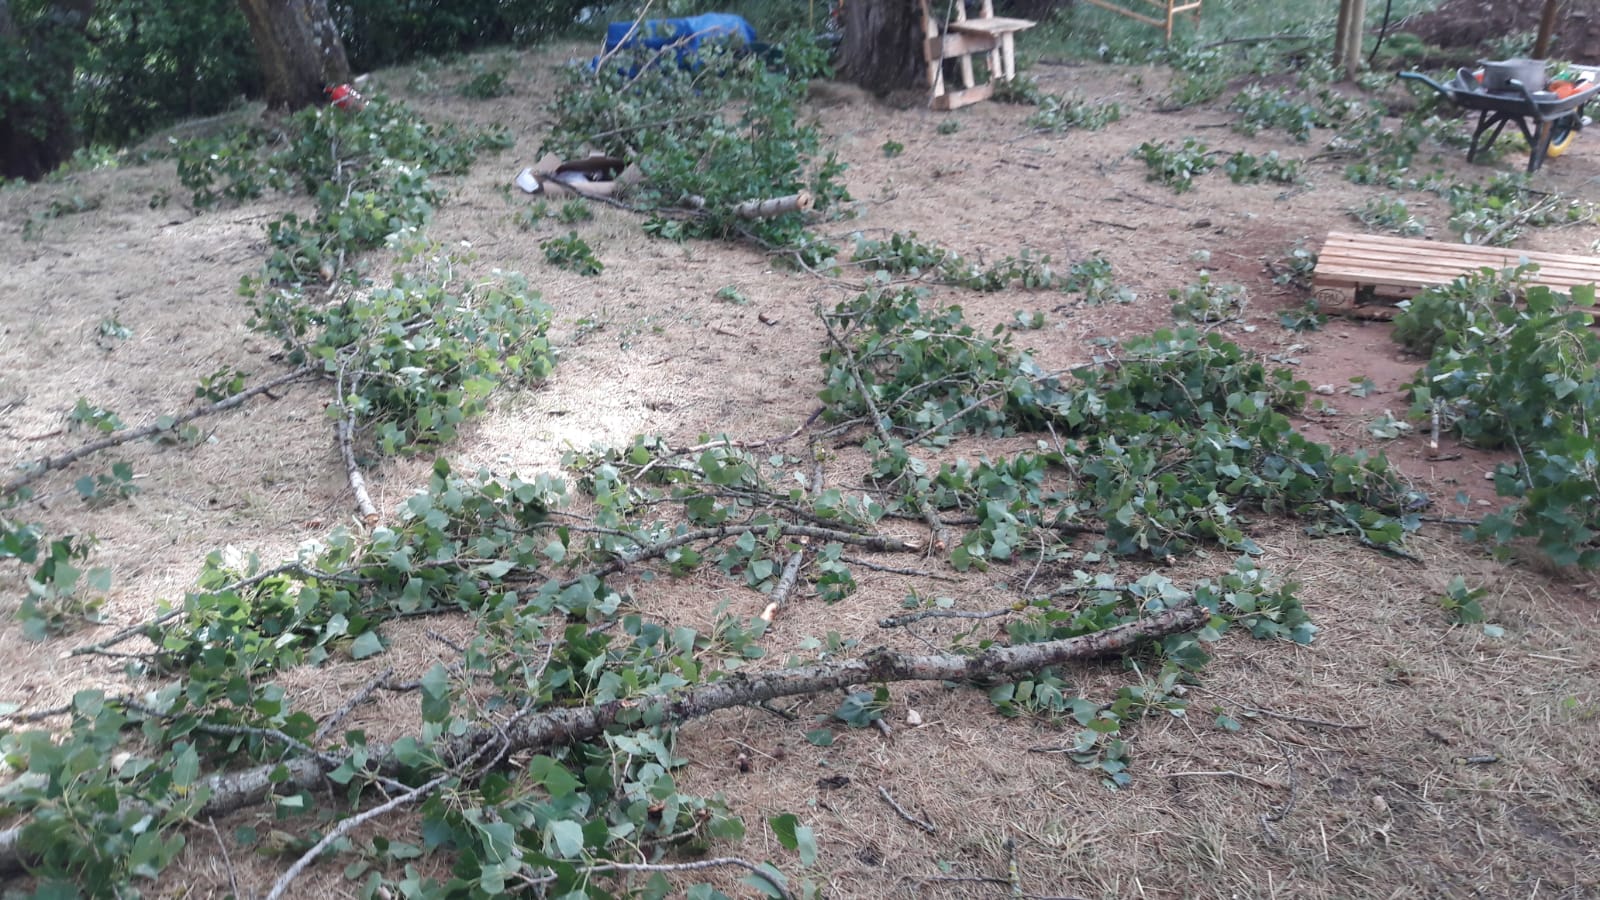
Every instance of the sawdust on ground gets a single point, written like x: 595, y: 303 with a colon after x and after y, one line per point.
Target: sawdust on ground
x: 1351, y: 782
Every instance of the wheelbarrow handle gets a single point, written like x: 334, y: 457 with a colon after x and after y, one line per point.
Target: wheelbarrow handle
x: 1418, y: 76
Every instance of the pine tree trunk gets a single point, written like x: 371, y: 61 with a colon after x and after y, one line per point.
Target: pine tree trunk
x: 36, y: 133
x: 299, y: 48
x: 882, y: 49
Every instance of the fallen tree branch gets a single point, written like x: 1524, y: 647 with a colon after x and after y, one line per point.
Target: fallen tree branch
x: 786, y: 583
x: 348, y: 706
x: 775, y: 206
x: 719, y: 862
x: 940, y: 535
x: 294, y: 568
x: 881, y: 543
x: 791, y: 569
x: 894, y: 570
x: 348, y: 825
x: 39, y: 467
x: 908, y: 618
x: 231, y: 791
x: 346, y: 430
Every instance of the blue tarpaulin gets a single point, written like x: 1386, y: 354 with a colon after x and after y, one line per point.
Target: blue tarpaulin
x: 692, y: 31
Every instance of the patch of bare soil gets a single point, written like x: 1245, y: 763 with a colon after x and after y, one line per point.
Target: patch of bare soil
x: 1472, y: 24
x: 1352, y: 774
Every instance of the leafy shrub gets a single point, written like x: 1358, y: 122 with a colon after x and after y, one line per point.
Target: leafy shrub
x: 1175, y: 167
x: 1166, y: 441
x: 905, y: 254
x: 720, y: 140
x: 1208, y: 302
x: 1057, y: 114
x: 1245, y: 168
x: 1523, y: 377
x: 1391, y: 214
x: 572, y: 253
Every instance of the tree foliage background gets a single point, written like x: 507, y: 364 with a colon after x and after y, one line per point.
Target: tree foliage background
x: 138, y: 66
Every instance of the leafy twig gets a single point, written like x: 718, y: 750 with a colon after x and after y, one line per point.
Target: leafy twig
x: 939, y: 533
x: 38, y: 468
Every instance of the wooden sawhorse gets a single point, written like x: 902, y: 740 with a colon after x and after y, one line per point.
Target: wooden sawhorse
x: 1172, y: 7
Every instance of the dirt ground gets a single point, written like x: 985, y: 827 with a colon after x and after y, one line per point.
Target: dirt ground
x: 1355, y: 778
x: 1477, y: 23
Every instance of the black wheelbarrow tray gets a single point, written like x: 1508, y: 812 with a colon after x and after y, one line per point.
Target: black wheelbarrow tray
x: 1554, y: 120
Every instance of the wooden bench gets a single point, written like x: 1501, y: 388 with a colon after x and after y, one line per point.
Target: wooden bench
x: 990, y: 36
x: 1365, y: 274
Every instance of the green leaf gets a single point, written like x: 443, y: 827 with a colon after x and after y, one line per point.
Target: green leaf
x: 783, y: 828
x: 187, y: 768
x: 435, y: 694
x: 821, y: 737
x: 368, y: 644
x: 807, y: 843
x: 567, y: 837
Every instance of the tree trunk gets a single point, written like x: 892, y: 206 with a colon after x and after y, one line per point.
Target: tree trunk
x: 37, y: 65
x: 882, y: 49
x: 299, y: 47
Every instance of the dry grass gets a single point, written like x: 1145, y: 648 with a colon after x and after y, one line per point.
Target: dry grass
x: 1386, y: 807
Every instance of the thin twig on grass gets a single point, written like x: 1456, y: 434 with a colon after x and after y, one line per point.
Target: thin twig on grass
x: 355, y: 700
x: 1270, y: 785
x: 924, y: 824
x: 894, y: 570
x: 751, y: 445
x: 909, y: 618
x: 1283, y: 811
x: 1013, y: 868
x: 1251, y: 710
x: 39, y: 467
x: 227, y: 863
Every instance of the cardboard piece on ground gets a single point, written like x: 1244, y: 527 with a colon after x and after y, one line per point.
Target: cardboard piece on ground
x: 593, y: 176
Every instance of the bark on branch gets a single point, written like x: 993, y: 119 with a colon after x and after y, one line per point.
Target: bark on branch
x: 231, y: 791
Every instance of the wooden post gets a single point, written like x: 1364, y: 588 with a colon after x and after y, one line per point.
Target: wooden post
x: 1347, y: 40
x: 1547, y: 29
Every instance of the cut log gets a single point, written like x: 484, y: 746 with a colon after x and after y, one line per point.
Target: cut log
x: 776, y: 206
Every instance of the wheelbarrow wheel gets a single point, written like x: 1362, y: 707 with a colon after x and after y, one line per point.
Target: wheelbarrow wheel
x: 1563, y: 132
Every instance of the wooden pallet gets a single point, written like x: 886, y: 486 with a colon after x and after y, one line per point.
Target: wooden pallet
x: 1365, y: 274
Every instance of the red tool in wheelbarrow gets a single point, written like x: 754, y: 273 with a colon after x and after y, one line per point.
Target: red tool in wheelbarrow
x: 1549, y: 113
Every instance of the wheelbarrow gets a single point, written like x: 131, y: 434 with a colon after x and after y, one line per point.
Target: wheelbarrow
x: 1545, y: 118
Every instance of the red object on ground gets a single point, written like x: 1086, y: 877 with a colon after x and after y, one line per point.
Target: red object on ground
x: 344, y: 96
